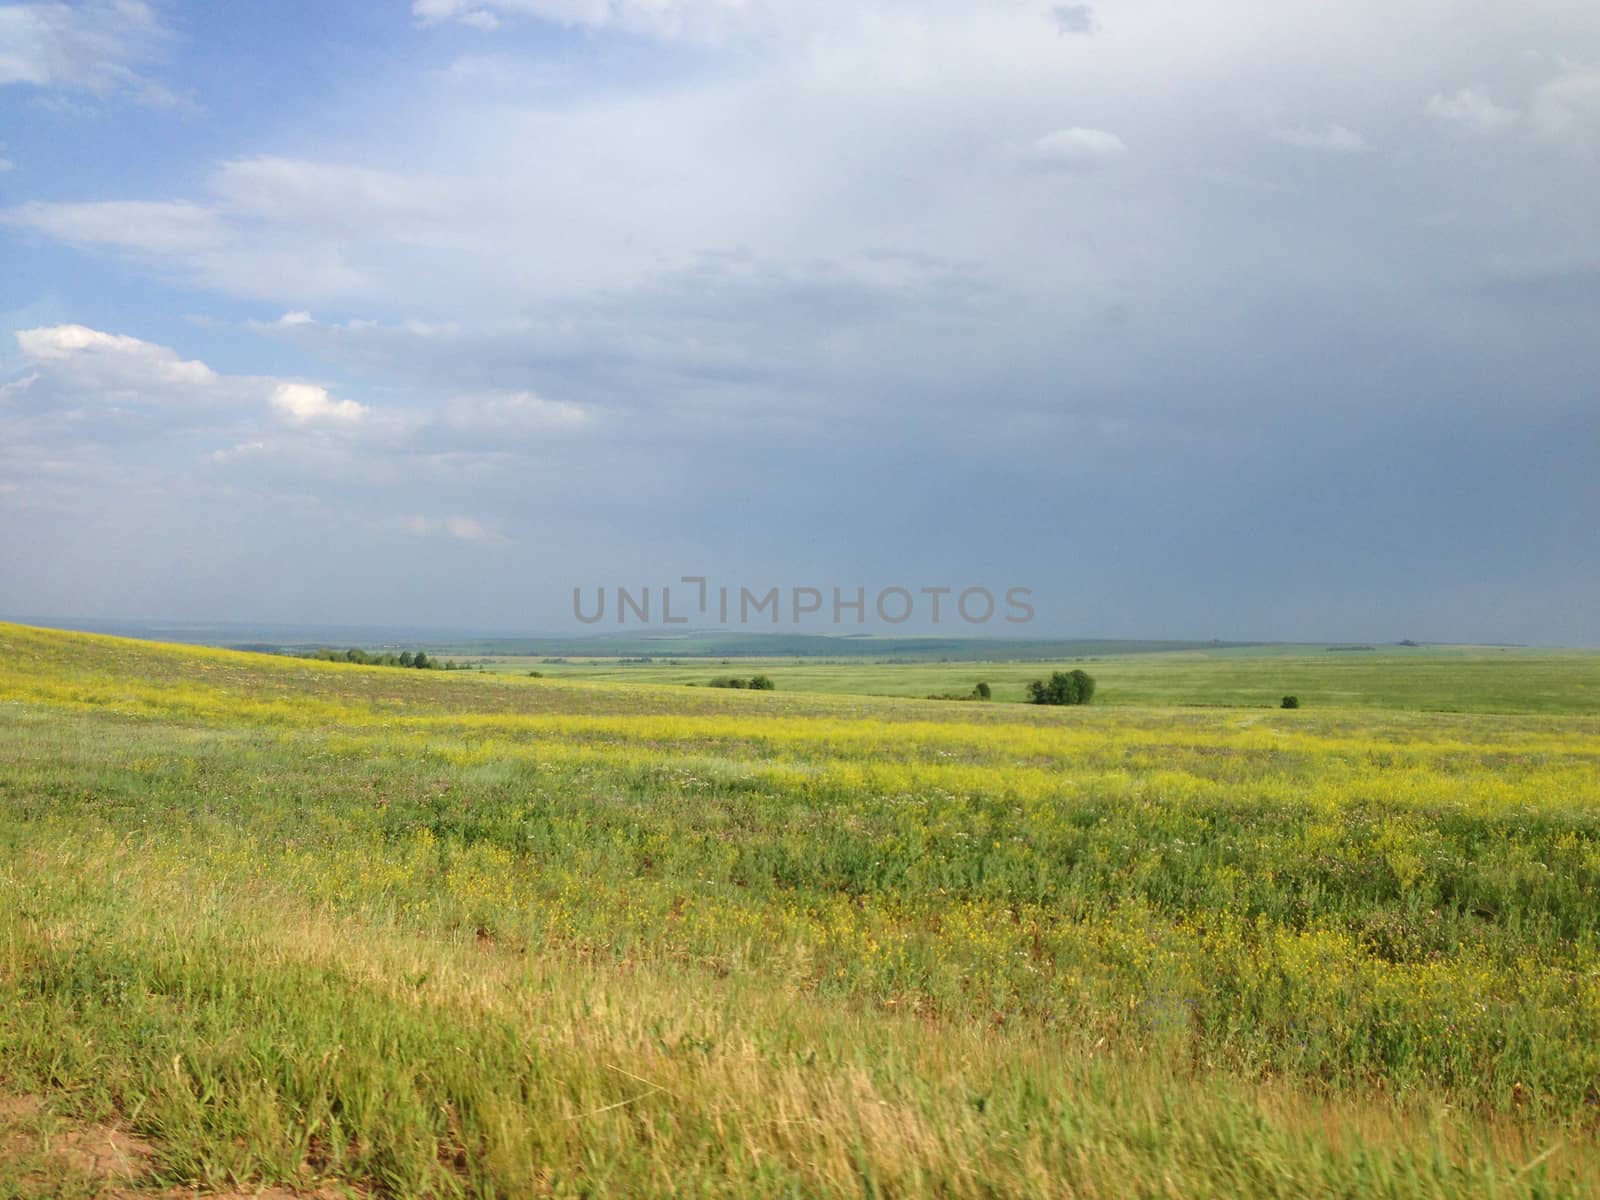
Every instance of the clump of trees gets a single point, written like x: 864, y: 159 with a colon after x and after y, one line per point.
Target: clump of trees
x: 756, y: 683
x: 417, y: 660
x: 1290, y: 702
x: 1063, y: 687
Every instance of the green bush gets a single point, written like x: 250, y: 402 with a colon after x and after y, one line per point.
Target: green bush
x: 1063, y: 687
x: 1290, y: 702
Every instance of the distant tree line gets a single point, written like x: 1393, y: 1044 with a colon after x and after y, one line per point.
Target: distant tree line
x: 1063, y: 687
x: 417, y: 660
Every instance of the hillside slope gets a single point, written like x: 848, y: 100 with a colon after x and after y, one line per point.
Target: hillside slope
x: 312, y: 925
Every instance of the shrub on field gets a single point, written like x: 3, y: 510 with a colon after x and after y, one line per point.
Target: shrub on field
x: 1291, y: 702
x: 1063, y: 687
x: 980, y: 692
x: 757, y: 683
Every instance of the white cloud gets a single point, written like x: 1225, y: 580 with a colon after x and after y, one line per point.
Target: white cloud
x: 1075, y: 149
x: 511, y: 413
x: 297, y: 317
x: 61, y: 341
x: 92, y: 47
x: 16, y: 387
x: 465, y: 529
x: 7, y: 165
x: 123, y: 355
x: 87, y: 388
x: 108, y: 376
x: 97, y: 418
x: 1472, y: 110
x: 276, y: 226
x: 1334, y: 139
x: 1566, y: 110
x: 878, y: 128
x: 208, y: 244
x: 154, y: 227
x: 77, y: 369
x: 238, y: 451
x: 308, y: 404
x: 286, y: 189
x: 1075, y: 18
x: 698, y: 20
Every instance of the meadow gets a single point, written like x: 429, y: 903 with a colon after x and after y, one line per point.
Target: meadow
x: 1486, y: 679
x: 290, y: 924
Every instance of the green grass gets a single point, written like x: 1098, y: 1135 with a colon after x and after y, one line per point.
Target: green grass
x: 424, y: 934
x: 1457, y: 679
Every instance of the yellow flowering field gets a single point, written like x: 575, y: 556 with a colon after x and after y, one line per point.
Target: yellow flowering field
x: 315, y: 925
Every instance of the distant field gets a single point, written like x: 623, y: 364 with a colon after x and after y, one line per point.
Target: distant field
x: 386, y: 932
x: 1446, y: 679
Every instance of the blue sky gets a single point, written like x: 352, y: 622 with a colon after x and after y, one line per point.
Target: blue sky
x: 1199, y: 320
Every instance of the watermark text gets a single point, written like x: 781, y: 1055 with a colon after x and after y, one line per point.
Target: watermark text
x: 696, y: 598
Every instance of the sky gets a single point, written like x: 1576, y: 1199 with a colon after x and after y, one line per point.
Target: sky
x: 1198, y: 320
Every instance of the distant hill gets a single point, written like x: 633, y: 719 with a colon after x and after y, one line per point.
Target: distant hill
x: 717, y: 644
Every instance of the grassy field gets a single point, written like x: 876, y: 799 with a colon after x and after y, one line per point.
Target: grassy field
x: 277, y: 923
x: 1431, y: 679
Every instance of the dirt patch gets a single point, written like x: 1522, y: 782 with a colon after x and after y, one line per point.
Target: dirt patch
x: 42, y: 1154
x: 103, y: 1151
x: 18, y: 1114
x: 19, y: 1108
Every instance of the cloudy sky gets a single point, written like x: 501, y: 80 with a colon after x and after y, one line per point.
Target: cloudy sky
x: 1220, y: 319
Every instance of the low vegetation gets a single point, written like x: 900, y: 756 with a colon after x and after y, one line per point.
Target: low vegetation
x: 305, y: 924
x: 980, y: 691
